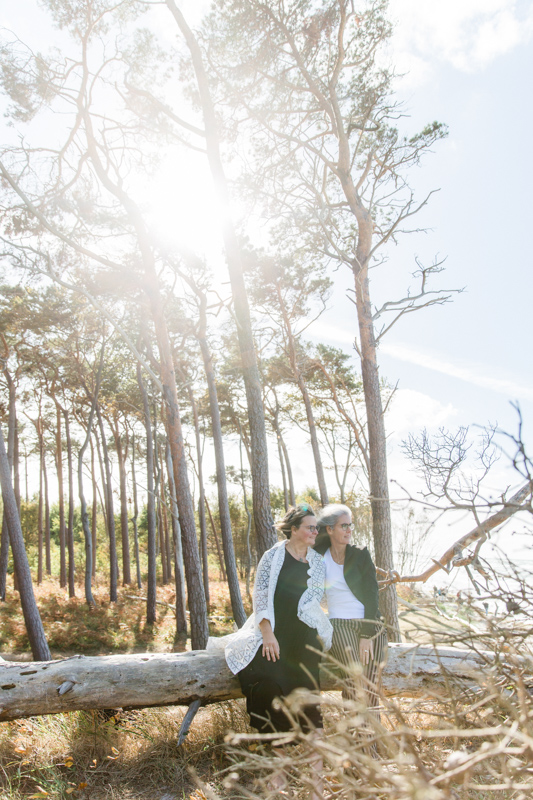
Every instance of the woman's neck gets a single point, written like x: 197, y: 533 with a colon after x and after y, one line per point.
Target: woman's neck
x: 297, y: 549
x: 338, y: 552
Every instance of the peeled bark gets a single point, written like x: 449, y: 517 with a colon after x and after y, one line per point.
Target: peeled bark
x: 32, y: 618
x: 164, y: 679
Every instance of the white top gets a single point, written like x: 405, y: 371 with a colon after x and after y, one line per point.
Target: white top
x: 342, y: 603
x: 241, y: 647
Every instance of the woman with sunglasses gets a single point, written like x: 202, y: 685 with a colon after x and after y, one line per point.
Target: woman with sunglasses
x: 352, y: 595
x: 278, y: 649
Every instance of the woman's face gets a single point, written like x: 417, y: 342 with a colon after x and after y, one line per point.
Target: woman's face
x: 341, y: 533
x: 306, y: 533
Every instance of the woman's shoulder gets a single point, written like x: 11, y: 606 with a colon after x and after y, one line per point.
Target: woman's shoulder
x: 358, y: 552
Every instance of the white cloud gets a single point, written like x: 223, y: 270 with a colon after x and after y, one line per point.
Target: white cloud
x: 468, y: 34
x: 411, y: 410
x: 471, y: 373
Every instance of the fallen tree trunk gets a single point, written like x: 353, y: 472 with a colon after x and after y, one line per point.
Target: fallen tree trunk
x: 154, y: 679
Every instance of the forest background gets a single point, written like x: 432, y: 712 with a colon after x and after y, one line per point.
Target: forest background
x: 454, y: 365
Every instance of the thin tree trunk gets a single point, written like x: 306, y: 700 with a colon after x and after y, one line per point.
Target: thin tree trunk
x: 113, y: 561
x: 237, y: 607
x: 94, y: 515
x: 248, y: 529
x: 197, y: 604
x: 292, y: 493
x: 47, y: 547
x: 40, y: 526
x: 150, y: 504
x: 179, y: 574
x: 164, y: 506
x: 277, y: 431
x: 61, y: 500
x: 217, y: 542
x: 201, y: 498
x: 124, y: 528
x: 264, y: 528
x: 11, y: 444
x: 32, y: 618
x: 293, y: 359
x: 70, y: 527
x: 159, y: 516
x: 87, y: 533
x: 135, y: 515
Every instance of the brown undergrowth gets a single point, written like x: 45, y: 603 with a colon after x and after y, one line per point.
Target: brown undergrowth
x: 72, y: 627
x: 469, y: 739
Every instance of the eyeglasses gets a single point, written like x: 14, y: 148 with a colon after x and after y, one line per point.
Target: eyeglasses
x: 347, y: 526
x: 311, y: 528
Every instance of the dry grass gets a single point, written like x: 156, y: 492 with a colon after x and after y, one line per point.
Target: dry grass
x: 474, y: 741
x: 72, y: 627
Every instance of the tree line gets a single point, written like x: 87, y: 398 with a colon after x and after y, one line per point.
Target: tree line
x: 290, y: 109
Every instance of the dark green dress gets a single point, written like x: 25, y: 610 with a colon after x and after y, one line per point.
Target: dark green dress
x: 263, y: 680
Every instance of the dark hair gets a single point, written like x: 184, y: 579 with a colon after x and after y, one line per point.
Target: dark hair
x: 328, y: 516
x: 293, y: 518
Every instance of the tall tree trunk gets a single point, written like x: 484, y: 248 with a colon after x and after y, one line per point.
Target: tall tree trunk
x: 300, y: 380
x: 87, y: 533
x: 40, y: 526
x: 217, y: 543
x: 292, y: 493
x: 159, y: 515
x: 124, y: 527
x: 70, y: 527
x: 377, y: 445
x: 237, y: 607
x: 164, y: 506
x: 47, y: 548
x: 135, y: 515
x: 94, y: 515
x: 113, y: 561
x: 201, y: 497
x: 248, y: 528
x: 179, y: 574
x: 61, y: 500
x: 277, y: 431
x: 32, y: 618
x: 151, y: 287
x: 264, y: 528
x: 150, y: 504
x: 11, y: 444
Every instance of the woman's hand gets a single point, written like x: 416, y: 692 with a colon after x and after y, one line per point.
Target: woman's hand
x: 270, y: 643
x: 366, y: 651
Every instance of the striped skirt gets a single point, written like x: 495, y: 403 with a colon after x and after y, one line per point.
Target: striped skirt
x: 345, y: 650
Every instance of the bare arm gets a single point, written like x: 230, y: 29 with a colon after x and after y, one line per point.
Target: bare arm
x: 270, y: 643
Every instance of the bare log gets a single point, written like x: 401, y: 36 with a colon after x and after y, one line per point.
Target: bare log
x: 155, y: 679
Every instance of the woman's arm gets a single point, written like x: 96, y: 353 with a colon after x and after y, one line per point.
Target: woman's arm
x: 270, y: 643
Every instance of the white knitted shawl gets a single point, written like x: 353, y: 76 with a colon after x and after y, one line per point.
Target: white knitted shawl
x: 242, y: 646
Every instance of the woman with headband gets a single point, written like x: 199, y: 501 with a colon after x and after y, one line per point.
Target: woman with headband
x: 278, y: 649
x: 352, y: 595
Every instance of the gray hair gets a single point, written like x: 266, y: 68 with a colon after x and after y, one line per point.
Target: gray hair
x: 330, y: 514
